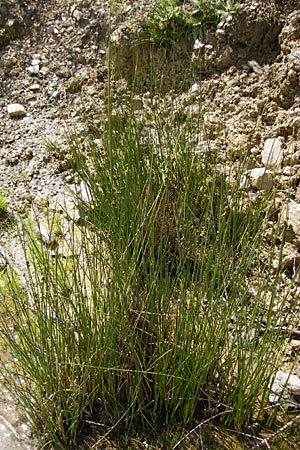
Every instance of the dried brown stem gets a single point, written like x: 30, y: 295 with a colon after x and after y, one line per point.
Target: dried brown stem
x: 265, y: 442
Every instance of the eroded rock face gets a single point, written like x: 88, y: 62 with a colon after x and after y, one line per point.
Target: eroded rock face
x: 290, y: 34
x: 250, y: 37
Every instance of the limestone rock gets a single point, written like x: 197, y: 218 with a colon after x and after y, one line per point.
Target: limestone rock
x: 272, y: 154
x: 35, y: 87
x: 84, y: 192
x: 16, y: 110
x: 285, y: 388
x: 292, y: 154
x: 290, y: 256
x: 291, y: 216
x: 260, y: 179
x: 48, y: 234
x: 78, y: 15
x: 34, y: 68
x: 255, y: 67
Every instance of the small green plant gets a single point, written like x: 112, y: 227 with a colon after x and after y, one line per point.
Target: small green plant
x: 8, y: 27
x: 171, y: 22
x: 3, y: 206
x: 115, y: 4
x: 6, y: 217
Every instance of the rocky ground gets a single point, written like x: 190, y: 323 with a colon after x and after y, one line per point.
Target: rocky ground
x: 247, y: 74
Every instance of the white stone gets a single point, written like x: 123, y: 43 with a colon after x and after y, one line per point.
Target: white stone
x: 260, y: 179
x: 203, y: 147
x: 98, y: 143
x: 285, y: 387
x: 16, y: 110
x: 114, y: 37
x: 272, y: 154
x: 43, y: 71
x: 198, y: 44
x: 244, y: 184
x: 34, y: 87
x: 85, y: 192
x: 46, y: 234
x: 195, y: 88
x: 77, y: 14
x: 34, y: 69
x: 292, y: 154
x: 255, y: 67
x: 291, y: 216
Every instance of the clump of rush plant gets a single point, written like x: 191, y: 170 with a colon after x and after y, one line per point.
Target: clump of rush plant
x: 147, y: 319
x: 172, y: 22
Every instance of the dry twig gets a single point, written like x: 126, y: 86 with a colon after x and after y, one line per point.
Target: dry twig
x: 266, y: 441
x: 199, y: 426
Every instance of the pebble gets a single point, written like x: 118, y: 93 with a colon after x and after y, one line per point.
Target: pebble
x: 34, y: 69
x: 255, y: 67
x: 45, y: 234
x: 291, y: 216
x: 77, y: 14
x: 16, y: 110
x: 260, y: 179
x: 52, y: 30
x: 34, y: 87
x: 67, y: 23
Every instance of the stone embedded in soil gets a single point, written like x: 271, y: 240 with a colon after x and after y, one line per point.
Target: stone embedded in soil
x: 16, y: 110
x: 260, y: 179
x: 84, y: 192
x: 34, y: 87
x: 47, y: 235
x: 285, y: 388
x: 34, y: 68
x: 291, y: 216
x: 292, y: 154
x: 255, y: 67
x: 290, y: 256
x: 295, y: 346
x: 272, y: 154
x: 78, y: 15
